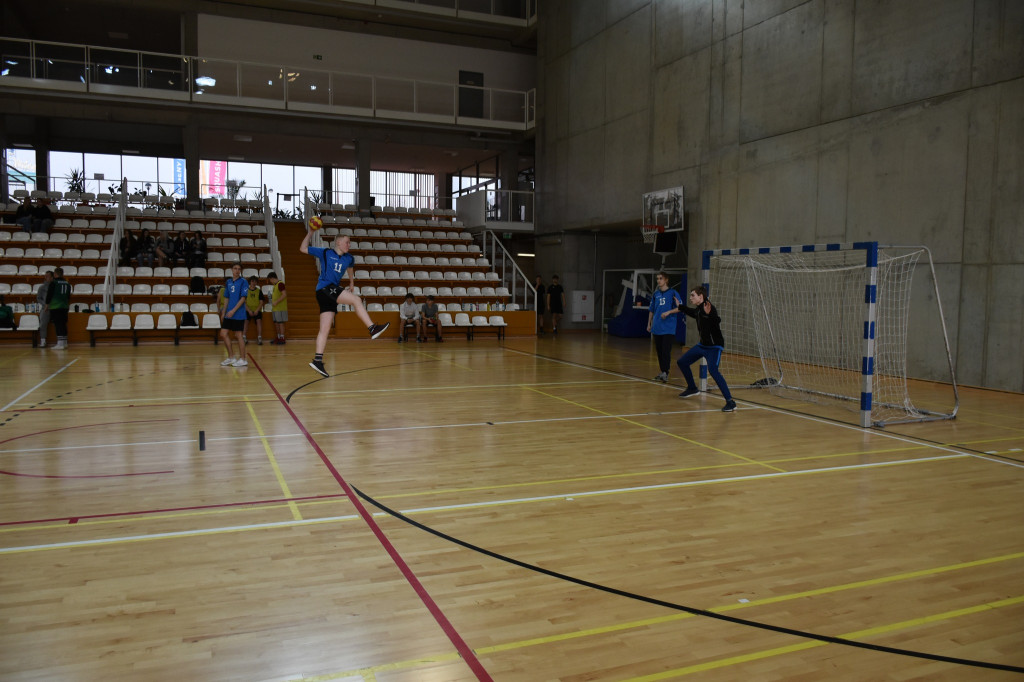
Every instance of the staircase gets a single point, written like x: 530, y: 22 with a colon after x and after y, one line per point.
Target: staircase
x: 300, y: 276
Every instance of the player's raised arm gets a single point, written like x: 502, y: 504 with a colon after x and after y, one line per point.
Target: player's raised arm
x: 304, y: 246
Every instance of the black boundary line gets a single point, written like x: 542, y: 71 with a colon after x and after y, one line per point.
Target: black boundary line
x: 688, y: 609
x: 787, y: 410
x: 353, y: 371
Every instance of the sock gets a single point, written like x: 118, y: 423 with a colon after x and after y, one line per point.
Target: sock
x: 370, y: 328
x: 318, y: 357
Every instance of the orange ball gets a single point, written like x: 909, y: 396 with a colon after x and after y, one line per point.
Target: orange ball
x: 315, y: 223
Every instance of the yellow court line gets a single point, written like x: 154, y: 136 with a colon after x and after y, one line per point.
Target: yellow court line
x: 440, y: 359
x: 273, y: 461
x: 11, y: 358
x: 651, y: 428
x: 768, y: 653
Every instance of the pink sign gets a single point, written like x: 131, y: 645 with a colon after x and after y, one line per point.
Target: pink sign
x: 218, y: 176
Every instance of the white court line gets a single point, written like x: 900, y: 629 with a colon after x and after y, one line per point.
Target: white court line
x: 15, y: 401
x: 819, y: 420
x: 350, y: 431
x: 175, y: 534
x: 327, y: 393
x: 469, y: 505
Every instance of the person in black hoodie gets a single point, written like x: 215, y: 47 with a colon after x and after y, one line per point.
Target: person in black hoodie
x: 710, y: 347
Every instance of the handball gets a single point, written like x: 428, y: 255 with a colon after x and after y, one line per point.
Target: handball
x: 315, y: 223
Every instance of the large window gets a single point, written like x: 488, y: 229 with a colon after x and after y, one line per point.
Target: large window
x: 104, y: 172
x: 388, y: 188
x: 240, y: 180
x: 21, y: 169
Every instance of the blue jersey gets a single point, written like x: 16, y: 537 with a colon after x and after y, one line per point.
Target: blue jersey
x: 235, y: 290
x: 660, y: 302
x: 332, y: 266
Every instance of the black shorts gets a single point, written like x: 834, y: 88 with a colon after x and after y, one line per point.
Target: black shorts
x: 258, y: 315
x: 232, y: 325
x: 432, y: 321
x: 328, y: 298
x: 556, y: 308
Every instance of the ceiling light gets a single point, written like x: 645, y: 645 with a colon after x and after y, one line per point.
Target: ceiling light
x: 206, y: 81
x: 526, y: 255
x: 243, y: 138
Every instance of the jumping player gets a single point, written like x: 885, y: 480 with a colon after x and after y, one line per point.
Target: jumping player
x: 334, y: 262
x: 710, y: 347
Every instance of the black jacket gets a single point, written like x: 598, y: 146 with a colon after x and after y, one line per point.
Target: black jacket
x: 708, y: 325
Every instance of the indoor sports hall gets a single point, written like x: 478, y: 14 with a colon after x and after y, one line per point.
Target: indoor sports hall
x: 816, y: 201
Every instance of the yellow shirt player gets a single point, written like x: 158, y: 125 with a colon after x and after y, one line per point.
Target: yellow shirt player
x: 254, y: 309
x: 278, y: 307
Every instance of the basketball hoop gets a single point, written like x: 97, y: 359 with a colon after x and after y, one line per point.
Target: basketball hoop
x: 649, y: 232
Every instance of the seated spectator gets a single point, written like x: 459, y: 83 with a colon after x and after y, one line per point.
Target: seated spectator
x: 6, y: 315
x: 23, y: 216
x: 196, y: 254
x: 146, y: 250
x: 409, y: 315
x: 429, y: 318
x: 128, y: 248
x: 181, y: 247
x: 34, y: 218
x: 166, y: 250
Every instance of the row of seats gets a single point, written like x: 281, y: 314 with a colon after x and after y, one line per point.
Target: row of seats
x: 435, y: 275
x: 489, y: 292
x: 394, y: 222
x: 9, y: 270
x: 473, y: 325
x: 27, y: 289
x: 122, y: 324
x: 157, y: 226
x: 388, y: 233
x: 426, y: 261
x: 76, y: 254
x: 397, y: 248
x: 44, y: 237
x: 151, y: 212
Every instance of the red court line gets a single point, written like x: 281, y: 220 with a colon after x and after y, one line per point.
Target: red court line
x: 143, y: 512
x: 122, y: 406
x: 460, y: 645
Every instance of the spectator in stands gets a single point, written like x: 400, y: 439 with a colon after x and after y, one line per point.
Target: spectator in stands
x: 334, y: 262
x: 23, y: 216
x: 254, y: 301
x: 555, y: 303
x: 127, y: 249
x: 166, y: 250
x: 541, y: 304
x: 429, y: 318
x: 6, y: 315
x: 232, y: 316
x: 44, y: 308
x: 146, y: 250
x: 181, y: 247
x: 409, y: 314
x: 58, y: 298
x: 34, y: 218
x: 196, y: 251
x: 278, y: 307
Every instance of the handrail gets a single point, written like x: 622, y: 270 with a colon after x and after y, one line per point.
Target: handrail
x: 110, y: 281
x: 268, y: 223
x: 194, y: 79
x: 506, y: 259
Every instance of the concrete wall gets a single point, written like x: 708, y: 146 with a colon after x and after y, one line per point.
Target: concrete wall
x: 791, y: 121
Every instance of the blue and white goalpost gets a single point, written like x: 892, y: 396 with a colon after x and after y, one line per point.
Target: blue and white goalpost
x: 827, y: 323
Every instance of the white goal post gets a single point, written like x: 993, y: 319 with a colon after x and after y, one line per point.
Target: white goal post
x: 827, y: 323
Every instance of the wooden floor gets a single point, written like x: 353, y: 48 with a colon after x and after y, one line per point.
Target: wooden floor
x: 128, y: 553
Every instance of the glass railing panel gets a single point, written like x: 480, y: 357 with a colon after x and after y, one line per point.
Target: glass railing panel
x: 310, y: 87
x: 352, y: 90
x: 395, y: 94
x: 435, y: 98
x: 164, y: 72
x: 260, y: 81
x: 56, y: 61
x: 214, y: 77
x: 508, y: 106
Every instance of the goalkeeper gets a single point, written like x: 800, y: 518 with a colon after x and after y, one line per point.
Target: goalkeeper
x: 710, y: 346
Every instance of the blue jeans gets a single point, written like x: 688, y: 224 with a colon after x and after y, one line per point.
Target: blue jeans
x: 713, y: 356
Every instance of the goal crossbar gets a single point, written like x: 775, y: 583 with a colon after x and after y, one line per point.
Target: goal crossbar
x: 823, y: 321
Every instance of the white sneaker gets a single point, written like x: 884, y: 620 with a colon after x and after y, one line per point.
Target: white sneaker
x: 60, y: 346
x: 228, y: 362
x: 42, y: 344
x: 240, y: 362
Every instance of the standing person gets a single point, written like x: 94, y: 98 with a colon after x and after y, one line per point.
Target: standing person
x: 58, y: 298
x: 44, y: 307
x: 429, y: 318
x: 254, y: 301
x: 278, y: 307
x: 408, y: 313
x: 329, y: 292
x: 232, y: 316
x: 661, y: 323
x: 710, y: 347
x: 541, y: 304
x: 556, y: 303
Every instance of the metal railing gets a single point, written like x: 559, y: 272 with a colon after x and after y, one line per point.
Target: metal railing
x: 508, y: 270
x: 100, y: 70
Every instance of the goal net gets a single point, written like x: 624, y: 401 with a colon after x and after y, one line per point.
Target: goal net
x: 826, y: 323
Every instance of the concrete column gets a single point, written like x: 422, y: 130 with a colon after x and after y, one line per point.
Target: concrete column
x: 363, y: 173
x: 190, y: 143
x: 328, y: 183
